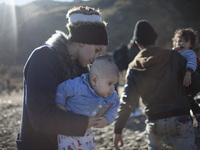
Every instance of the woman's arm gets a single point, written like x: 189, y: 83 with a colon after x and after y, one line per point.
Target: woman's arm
x: 42, y: 75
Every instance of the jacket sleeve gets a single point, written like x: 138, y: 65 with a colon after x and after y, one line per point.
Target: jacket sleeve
x: 127, y: 102
x: 41, y: 77
x: 112, y: 110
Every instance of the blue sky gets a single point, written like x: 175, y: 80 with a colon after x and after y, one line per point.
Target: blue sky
x: 23, y: 2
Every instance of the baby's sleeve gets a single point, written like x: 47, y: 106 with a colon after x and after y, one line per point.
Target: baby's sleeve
x: 112, y: 110
x: 64, y: 90
x: 191, y: 60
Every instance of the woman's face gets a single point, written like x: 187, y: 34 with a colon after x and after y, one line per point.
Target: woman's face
x: 87, y: 53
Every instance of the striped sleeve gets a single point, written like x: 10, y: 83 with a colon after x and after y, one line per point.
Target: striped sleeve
x: 191, y: 58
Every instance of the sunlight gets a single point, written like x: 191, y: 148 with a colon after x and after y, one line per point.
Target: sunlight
x: 24, y: 2
x: 16, y: 2
x: 9, y: 23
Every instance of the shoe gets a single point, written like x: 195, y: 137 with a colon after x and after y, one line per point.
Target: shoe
x: 137, y: 112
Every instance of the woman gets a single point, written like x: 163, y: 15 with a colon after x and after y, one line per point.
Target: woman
x: 62, y: 57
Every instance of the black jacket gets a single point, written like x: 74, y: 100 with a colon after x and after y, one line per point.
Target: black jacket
x: 47, y: 67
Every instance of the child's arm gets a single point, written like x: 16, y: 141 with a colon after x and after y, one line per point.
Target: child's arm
x: 103, y: 121
x: 190, y: 66
x: 103, y: 111
x: 110, y: 113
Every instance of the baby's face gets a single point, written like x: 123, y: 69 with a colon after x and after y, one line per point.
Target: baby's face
x: 105, y: 86
x: 182, y: 44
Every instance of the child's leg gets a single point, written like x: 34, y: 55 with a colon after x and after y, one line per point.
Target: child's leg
x: 77, y: 142
x: 65, y: 142
x: 85, y: 142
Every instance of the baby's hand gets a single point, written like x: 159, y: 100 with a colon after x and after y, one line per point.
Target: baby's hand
x: 101, y: 122
x: 187, y: 79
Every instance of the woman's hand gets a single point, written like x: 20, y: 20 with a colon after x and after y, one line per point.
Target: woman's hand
x: 97, y: 122
x: 101, y: 122
x: 92, y: 121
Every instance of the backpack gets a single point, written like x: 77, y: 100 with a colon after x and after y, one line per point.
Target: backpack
x: 120, y: 57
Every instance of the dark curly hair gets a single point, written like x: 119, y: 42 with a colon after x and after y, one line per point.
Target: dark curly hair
x: 187, y: 34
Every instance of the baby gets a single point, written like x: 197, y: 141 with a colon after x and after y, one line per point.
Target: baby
x: 93, y: 94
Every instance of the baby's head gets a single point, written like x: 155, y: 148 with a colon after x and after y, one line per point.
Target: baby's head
x: 104, y: 75
x: 185, y: 38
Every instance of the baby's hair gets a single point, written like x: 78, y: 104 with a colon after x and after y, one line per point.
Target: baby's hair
x: 187, y: 34
x: 103, y: 65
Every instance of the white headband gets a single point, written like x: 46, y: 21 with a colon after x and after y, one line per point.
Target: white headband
x: 84, y: 18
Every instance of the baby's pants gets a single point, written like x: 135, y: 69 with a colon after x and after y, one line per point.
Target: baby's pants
x: 85, y: 142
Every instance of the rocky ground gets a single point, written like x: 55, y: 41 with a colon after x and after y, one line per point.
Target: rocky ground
x: 10, y: 118
x: 133, y: 136
x: 11, y: 106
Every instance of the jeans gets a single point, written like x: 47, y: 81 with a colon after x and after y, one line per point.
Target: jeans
x: 176, y: 132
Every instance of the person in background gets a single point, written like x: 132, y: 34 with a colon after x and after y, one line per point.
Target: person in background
x: 184, y: 41
x: 62, y: 57
x: 156, y: 74
x: 89, y: 95
x: 123, y: 55
x: 133, y: 50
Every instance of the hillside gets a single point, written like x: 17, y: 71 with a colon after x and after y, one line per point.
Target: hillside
x: 26, y: 27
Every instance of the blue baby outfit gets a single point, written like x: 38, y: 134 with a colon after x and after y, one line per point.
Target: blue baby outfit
x: 79, y: 97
